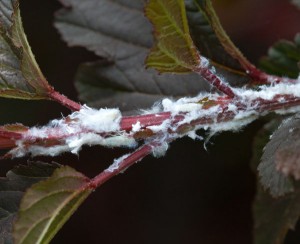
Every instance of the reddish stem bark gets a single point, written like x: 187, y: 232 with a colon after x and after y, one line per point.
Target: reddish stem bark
x: 154, y: 119
x: 261, y: 78
x: 215, y: 81
x: 261, y: 106
x: 63, y: 100
x: 134, y: 157
x: 55, y: 136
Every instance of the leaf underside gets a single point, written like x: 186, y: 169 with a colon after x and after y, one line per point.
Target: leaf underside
x: 20, y: 76
x: 47, y: 205
x: 174, y: 50
x: 12, y: 189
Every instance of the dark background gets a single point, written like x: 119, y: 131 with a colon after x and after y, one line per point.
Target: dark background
x: 188, y: 196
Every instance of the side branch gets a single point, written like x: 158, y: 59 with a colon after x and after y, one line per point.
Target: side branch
x: 65, y: 101
x: 215, y: 81
x: 120, y: 165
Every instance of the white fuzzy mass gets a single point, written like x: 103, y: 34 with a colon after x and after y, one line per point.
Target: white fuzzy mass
x: 102, y: 120
x: 84, y: 127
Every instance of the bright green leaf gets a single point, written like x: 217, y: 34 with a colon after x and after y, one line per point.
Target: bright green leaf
x: 47, y: 205
x: 283, y: 58
x: 12, y: 189
x: 174, y: 50
x: 20, y: 76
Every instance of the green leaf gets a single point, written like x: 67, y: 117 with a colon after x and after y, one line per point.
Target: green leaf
x: 20, y: 76
x: 283, y: 58
x: 119, y: 32
x: 273, y: 217
x: 47, y: 205
x: 12, y: 189
x: 174, y: 50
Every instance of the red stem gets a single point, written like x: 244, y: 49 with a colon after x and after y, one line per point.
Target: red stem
x: 55, y: 135
x: 261, y: 106
x: 154, y: 119
x: 261, y: 78
x: 131, y: 159
x: 63, y: 100
x: 145, y: 120
x: 8, y: 138
x: 215, y: 81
